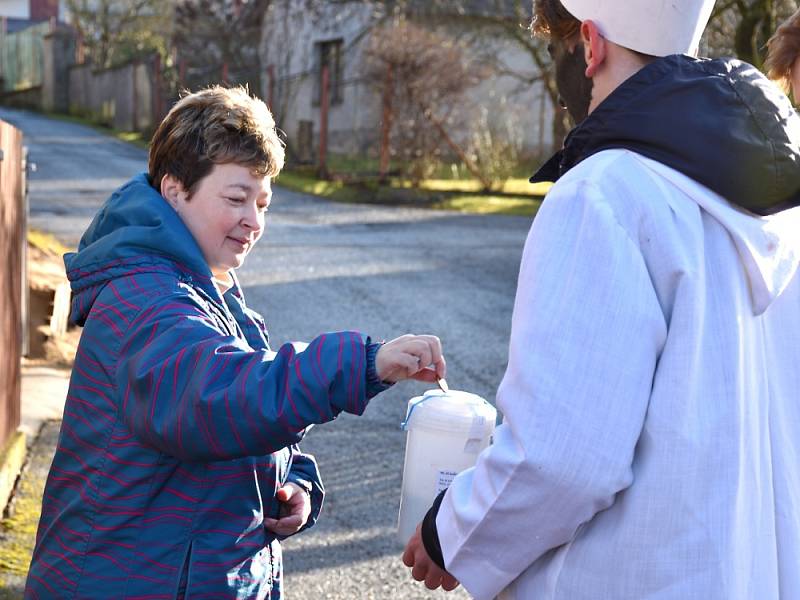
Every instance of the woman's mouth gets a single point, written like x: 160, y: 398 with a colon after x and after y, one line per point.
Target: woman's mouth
x: 242, y: 244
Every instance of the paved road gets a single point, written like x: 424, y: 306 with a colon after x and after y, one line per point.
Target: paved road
x: 76, y: 168
x: 325, y: 266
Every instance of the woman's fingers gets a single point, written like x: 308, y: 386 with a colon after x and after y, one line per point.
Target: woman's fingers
x: 295, y: 508
x: 426, y: 374
x: 436, y: 356
x: 421, y: 349
x: 411, y: 356
x: 284, y: 526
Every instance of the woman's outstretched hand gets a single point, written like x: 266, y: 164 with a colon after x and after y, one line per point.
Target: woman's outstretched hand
x: 411, y: 357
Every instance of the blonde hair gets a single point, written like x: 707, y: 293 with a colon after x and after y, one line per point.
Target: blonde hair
x: 784, y: 50
x: 216, y: 125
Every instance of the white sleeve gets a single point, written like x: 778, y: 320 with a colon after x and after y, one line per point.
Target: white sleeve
x: 586, y: 333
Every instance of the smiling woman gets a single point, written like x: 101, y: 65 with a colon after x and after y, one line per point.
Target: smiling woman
x: 225, y: 214
x: 177, y: 471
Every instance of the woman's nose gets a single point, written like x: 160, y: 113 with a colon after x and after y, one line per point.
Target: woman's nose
x: 252, y: 218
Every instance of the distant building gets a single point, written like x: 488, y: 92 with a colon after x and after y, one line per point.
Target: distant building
x: 296, y: 42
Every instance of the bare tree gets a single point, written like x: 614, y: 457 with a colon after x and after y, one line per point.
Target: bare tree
x: 219, y: 39
x: 114, y: 31
x: 486, y: 24
x: 741, y: 28
x: 422, y: 75
x: 510, y: 21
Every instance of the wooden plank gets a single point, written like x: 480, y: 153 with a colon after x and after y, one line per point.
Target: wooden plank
x: 12, y: 240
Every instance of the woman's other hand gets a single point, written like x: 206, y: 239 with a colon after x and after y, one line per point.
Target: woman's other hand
x: 411, y: 357
x: 294, y: 512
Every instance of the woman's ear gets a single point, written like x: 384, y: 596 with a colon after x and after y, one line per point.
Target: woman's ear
x: 172, y: 190
x: 594, y: 47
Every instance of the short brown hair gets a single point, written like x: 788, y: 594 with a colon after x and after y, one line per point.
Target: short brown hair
x: 784, y: 50
x: 551, y: 19
x: 216, y: 125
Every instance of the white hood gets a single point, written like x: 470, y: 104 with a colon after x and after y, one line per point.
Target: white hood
x: 769, y: 247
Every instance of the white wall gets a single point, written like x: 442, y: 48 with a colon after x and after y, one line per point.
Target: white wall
x: 15, y: 9
x: 289, y: 44
x: 512, y: 102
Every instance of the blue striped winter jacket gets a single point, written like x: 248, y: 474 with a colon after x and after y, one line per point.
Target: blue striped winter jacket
x: 180, y: 424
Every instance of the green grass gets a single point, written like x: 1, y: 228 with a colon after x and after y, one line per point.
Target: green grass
x: 308, y: 184
x: 518, y: 186
x: 339, y: 163
x: 485, y: 204
x: 18, y: 533
x: 46, y: 242
x: 517, y: 197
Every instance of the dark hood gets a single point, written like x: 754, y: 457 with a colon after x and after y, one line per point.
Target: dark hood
x: 718, y: 121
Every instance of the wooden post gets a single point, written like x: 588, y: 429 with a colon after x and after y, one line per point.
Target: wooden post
x: 225, y: 72
x: 322, y: 169
x: 386, y: 125
x: 12, y: 241
x: 24, y: 243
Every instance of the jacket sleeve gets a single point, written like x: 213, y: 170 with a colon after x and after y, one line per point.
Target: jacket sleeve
x: 192, y: 391
x: 587, y: 331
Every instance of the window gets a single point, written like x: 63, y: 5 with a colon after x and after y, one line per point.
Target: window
x: 330, y: 54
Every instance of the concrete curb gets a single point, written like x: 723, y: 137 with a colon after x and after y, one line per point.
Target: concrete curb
x: 11, y: 460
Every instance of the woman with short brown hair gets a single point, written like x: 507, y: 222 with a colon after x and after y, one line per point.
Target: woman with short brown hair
x: 177, y: 470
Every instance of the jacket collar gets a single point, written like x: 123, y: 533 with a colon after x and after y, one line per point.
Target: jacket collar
x: 720, y: 122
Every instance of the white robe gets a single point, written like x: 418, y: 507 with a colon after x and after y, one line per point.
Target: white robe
x: 651, y: 441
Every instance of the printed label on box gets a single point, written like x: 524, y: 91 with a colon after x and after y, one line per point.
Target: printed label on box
x: 444, y: 480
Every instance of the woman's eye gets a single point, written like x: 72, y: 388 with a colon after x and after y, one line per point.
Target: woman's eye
x: 236, y: 200
x: 263, y: 208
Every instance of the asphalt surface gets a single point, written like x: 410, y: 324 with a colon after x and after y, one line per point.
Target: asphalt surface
x: 324, y: 267
x: 73, y: 170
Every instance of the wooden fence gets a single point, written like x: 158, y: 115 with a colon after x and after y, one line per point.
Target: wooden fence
x: 12, y: 248
x: 21, y: 57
